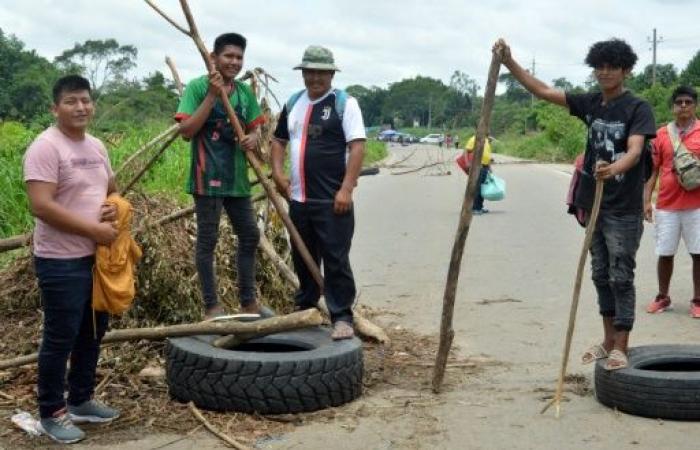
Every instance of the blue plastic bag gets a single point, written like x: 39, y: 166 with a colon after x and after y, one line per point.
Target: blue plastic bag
x: 493, y: 188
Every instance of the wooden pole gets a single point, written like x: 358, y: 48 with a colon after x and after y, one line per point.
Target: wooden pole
x: 147, y: 145
x: 293, y: 321
x: 150, y: 163
x: 590, y: 229
x: 465, y: 218
x: 176, y: 76
x: 276, y: 200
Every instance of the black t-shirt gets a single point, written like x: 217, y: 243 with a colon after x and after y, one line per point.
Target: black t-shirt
x: 609, y: 127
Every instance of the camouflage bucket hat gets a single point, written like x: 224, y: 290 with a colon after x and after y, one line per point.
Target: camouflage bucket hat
x: 317, y: 57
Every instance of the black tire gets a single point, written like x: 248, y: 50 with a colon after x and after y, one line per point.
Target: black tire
x: 369, y: 171
x: 266, y: 380
x: 661, y: 381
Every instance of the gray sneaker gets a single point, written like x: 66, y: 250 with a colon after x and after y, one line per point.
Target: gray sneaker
x: 60, y: 428
x: 93, y: 411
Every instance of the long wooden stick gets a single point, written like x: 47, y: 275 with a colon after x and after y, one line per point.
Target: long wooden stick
x: 150, y: 163
x: 293, y: 321
x: 590, y: 229
x: 465, y: 218
x: 276, y: 200
x: 176, y: 76
x: 229, y: 440
x: 147, y: 145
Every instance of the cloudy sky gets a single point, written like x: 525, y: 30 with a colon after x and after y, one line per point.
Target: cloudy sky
x: 375, y: 42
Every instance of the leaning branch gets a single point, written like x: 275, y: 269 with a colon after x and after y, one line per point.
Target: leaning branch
x: 293, y: 321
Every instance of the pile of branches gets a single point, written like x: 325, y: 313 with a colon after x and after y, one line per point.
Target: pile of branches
x: 167, y: 285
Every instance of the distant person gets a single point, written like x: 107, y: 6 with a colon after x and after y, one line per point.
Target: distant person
x: 456, y: 141
x: 478, y: 206
x: 327, y: 144
x: 677, y: 210
x: 619, y: 124
x: 218, y: 177
x: 448, y: 141
x: 68, y: 177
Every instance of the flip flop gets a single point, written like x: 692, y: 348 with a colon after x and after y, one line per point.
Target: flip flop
x: 342, y: 330
x: 594, y: 353
x: 616, y: 360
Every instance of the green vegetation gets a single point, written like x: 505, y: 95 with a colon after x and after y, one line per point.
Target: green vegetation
x: 130, y: 112
x: 375, y: 151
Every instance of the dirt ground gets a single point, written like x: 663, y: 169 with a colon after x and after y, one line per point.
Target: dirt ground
x: 510, y: 319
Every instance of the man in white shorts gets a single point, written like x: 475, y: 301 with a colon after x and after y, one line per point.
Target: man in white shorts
x: 677, y: 210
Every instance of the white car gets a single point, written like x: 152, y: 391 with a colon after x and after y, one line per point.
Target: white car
x: 433, y: 139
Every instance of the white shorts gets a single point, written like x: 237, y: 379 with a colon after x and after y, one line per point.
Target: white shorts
x: 671, y: 225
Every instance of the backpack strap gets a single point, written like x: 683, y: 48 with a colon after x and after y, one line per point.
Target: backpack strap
x: 293, y: 99
x: 341, y: 98
x: 673, y: 135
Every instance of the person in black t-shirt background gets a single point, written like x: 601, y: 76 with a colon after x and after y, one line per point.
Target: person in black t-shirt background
x: 619, y: 124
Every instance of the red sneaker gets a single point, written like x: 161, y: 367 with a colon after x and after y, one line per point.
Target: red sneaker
x: 660, y: 304
x: 695, y: 308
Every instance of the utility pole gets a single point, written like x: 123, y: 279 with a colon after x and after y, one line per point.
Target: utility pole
x: 654, y: 42
x: 532, y: 72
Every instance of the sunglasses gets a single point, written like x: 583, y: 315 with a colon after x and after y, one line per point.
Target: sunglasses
x: 683, y: 102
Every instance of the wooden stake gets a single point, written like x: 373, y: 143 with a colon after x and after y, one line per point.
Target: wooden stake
x: 229, y: 440
x: 150, y: 163
x: 465, y: 218
x: 176, y: 76
x: 147, y: 145
x: 590, y: 229
x: 293, y: 321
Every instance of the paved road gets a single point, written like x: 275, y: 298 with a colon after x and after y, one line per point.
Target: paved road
x: 525, y: 250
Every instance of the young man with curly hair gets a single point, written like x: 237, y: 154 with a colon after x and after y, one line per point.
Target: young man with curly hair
x: 619, y: 125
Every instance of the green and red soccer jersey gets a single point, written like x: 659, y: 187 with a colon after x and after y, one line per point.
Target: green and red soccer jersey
x: 218, y: 166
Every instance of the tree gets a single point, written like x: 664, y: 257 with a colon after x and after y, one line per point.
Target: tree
x: 25, y: 81
x: 103, y: 62
x: 420, y: 98
x: 563, y: 84
x: 691, y: 74
x: 666, y: 75
x: 371, y: 102
x: 515, y: 92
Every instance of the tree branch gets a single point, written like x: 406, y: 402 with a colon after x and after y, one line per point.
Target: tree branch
x: 166, y: 17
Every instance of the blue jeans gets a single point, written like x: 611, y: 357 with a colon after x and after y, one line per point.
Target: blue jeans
x: 66, y: 294
x: 240, y: 212
x: 328, y: 237
x: 613, y: 251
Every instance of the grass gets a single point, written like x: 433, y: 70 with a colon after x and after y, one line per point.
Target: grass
x: 167, y: 177
x: 531, y: 146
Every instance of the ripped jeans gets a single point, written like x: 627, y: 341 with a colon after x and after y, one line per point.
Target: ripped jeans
x: 613, y: 251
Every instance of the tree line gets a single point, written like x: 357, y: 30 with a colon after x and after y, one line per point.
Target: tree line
x: 26, y: 79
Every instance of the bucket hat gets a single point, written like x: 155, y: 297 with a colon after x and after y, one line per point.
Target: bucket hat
x: 317, y: 57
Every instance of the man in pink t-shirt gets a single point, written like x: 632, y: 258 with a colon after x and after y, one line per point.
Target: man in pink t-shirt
x: 677, y: 210
x: 68, y: 177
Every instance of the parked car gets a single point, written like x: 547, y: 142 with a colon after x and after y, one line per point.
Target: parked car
x: 404, y: 138
x: 433, y: 139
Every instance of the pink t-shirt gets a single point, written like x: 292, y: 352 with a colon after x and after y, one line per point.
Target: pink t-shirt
x: 81, y: 172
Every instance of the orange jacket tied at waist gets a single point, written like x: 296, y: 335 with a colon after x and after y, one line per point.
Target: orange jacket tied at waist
x: 113, y: 288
